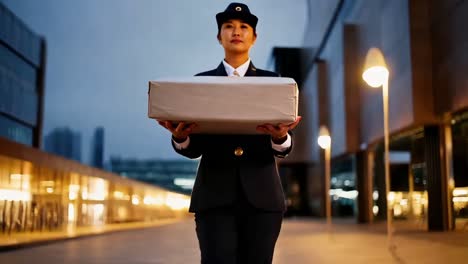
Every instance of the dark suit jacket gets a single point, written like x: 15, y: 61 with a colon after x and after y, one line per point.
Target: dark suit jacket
x: 220, y: 171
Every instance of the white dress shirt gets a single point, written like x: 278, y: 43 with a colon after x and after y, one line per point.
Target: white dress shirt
x: 241, y: 70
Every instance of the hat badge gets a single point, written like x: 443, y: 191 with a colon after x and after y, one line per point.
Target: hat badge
x: 238, y: 8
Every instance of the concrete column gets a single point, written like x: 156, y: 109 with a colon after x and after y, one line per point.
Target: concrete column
x: 437, y: 181
x: 364, y: 185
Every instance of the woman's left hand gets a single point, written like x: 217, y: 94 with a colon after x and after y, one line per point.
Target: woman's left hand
x: 279, y: 132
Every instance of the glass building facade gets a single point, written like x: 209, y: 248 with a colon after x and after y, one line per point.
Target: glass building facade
x: 427, y: 117
x: 460, y: 169
x: 40, y: 192
x: 22, y: 64
x: 175, y: 175
x: 409, y: 175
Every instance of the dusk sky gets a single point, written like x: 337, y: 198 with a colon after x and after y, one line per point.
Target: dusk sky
x: 102, y: 53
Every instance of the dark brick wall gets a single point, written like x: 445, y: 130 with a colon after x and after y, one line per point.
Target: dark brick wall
x: 450, y: 54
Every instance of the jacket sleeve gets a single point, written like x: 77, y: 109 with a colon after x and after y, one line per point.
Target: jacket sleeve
x: 283, y: 154
x: 193, y: 150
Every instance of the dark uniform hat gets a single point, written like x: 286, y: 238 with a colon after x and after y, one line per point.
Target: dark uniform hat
x: 237, y: 11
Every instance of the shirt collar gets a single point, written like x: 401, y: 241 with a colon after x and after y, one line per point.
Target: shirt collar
x: 241, y: 69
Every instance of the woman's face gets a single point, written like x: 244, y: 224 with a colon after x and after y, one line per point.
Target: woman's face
x: 236, y: 36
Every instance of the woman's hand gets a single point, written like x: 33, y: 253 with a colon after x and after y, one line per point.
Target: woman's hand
x: 279, y: 132
x: 181, y: 131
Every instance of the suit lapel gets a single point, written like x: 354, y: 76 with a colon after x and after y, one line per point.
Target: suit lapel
x: 221, y: 71
x: 251, y: 71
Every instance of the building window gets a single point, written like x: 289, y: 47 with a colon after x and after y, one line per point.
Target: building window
x: 460, y: 166
x: 15, y: 131
x: 17, y: 69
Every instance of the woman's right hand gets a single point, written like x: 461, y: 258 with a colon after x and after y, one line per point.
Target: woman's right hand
x: 181, y: 131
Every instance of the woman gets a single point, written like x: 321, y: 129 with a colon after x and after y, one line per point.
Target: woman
x: 237, y: 197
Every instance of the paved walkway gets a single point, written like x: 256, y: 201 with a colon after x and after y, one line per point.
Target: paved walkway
x: 308, y: 242
x: 27, y: 239
x: 301, y: 241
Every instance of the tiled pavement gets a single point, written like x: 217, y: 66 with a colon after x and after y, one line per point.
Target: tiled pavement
x: 301, y: 241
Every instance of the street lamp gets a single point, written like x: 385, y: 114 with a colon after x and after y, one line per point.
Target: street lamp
x: 376, y: 74
x: 324, y: 141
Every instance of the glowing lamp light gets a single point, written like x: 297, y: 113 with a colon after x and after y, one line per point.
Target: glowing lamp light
x: 71, y: 213
x: 14, y: 195
x: 177, y: 202
x: 375, y: 69
x: 324, y: 139
x: 135, y: 200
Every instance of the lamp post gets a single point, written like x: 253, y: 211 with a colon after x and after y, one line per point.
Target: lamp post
x: 324, y: 141
x: 376, y: 74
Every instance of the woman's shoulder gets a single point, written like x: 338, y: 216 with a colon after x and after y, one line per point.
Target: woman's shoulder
x: 207, y: 73
x: 258, y: 72
x: 266, y: 73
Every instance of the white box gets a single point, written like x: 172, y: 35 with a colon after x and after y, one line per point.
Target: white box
x: 224, y: 105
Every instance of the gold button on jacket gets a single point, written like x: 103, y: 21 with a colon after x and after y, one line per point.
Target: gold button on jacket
x: 238, y: 151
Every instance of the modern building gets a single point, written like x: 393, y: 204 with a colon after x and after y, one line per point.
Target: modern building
x: 22, y: 72
x: 42, y: 192
x: 424, y: 46
x: 176, y: 175
x: 64, y: 142
x: 97, y: 148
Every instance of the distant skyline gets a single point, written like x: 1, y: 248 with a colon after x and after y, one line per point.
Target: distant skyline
x: 101, y: 55
x: 64, y: 142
